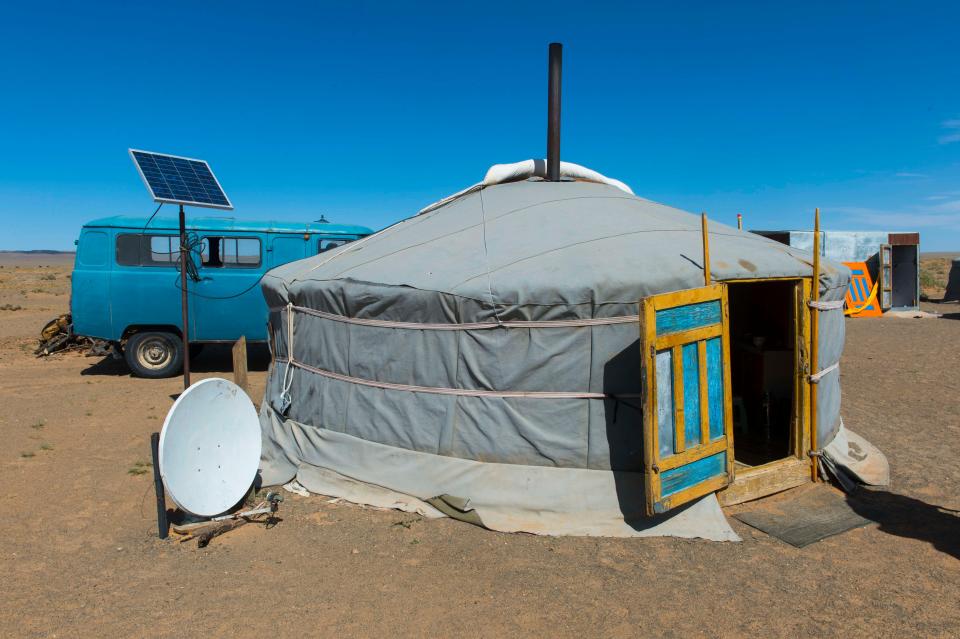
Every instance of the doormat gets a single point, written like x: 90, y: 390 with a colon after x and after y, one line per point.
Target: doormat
x: 804, y: 516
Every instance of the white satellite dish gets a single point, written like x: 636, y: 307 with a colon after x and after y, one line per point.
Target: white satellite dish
x: 210, y: 447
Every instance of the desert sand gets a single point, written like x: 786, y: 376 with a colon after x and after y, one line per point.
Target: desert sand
x: 80, y: 555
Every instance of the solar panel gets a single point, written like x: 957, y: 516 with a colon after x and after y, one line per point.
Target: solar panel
x: 180, y: 180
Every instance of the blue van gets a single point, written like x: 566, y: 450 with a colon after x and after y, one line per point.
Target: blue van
x: 126, y: 281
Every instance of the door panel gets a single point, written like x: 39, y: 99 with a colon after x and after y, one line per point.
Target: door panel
x: 227, y: 302
x: 288, y: 248
x: 886, y: 277
x: 687, y: 406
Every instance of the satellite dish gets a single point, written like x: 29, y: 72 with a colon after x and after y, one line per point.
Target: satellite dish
x: 210, y: 447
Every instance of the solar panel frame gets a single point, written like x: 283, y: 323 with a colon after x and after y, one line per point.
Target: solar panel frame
x: 175, y: 179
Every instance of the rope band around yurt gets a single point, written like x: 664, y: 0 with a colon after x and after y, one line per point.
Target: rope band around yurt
x: 824, y: 306
x: 291, y: 362
x: 466, y: 326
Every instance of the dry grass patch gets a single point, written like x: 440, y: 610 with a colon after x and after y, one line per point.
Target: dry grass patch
x: 933, y: 276
x: 140, y: 468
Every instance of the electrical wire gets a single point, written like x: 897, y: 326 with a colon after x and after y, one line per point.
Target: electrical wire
x: 152, y: 215
x: 193, y: 246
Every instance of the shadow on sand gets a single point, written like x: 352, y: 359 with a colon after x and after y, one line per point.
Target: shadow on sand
x: 212, y: 358
x: 624, y: 427
x: 896, y: 514
x: 911, y: 518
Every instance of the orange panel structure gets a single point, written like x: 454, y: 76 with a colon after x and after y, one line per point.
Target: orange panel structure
x: 862, y: 293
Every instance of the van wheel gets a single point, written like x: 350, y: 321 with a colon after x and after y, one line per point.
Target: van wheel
x: 154, y: 354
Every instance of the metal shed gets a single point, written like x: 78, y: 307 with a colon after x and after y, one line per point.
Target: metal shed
x: 899, y: 284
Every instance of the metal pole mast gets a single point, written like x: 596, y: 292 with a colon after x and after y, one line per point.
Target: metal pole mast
x: 184, y: 256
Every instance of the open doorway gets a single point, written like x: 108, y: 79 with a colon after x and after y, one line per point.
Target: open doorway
x: 763, y: 344
x: 906, y: 269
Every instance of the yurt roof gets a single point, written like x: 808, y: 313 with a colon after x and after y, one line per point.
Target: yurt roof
x: 534, y: 249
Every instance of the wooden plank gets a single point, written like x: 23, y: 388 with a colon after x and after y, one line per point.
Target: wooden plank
x: 797, y: 320
x: 688, y: 296
x: 688, y: 316
x: 692, y: 408
x: 240, y: 363
x: 682, y: 477
x: 704, y: 394
x: 768, y: 479
x: 814, y: 346
x: 692, y: 455
x: 699, y: 490
x: 802, y: 370
x: 678, y: 416
x: 903, y: 239
x: 706, y: 249
x: 727, y: 384
x: 715, y: 384
x: 675, y: 339
x: 748, y: 280
x: 651, y: 484
x: 665, y: 411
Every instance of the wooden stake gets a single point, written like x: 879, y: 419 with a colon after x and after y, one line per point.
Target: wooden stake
x: 706, y: 250
x: 240, y: 363
x: 215, y: 530
x: 814, y: 337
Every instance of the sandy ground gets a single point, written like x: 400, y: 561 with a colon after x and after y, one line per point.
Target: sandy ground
x: 80, y: 557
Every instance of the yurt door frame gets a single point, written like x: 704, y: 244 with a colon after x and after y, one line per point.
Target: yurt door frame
x: 794, y: 469
x: 687, y: 406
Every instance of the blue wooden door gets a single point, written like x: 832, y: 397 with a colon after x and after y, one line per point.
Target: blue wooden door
x: 688, y: 434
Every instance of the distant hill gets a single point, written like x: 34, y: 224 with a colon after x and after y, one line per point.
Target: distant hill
x: 42, y: 252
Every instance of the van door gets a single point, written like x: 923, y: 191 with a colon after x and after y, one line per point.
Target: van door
x: 288, y: 248
x: 687, y: 409
x: 227, y: 302
x: 145, y: 281
x: 90, y: 285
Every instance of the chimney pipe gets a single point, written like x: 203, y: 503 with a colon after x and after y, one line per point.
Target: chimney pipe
x: 553, y: 112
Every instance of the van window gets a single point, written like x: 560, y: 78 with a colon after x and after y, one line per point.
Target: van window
x: 164, y: 249
x: 94, y: 248
x: 134, y: 249
x: 230, y: 252
x: 326, y: 245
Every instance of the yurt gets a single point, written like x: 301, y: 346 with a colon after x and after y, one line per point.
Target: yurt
x: 547, y: 352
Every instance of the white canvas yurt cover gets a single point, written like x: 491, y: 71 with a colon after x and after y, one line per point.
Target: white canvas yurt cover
x: 482, y: 360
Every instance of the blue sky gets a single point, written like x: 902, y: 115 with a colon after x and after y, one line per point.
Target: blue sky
x: 366, y: 112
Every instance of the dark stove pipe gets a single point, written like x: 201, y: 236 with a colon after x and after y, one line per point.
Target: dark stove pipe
x: 553, y: 112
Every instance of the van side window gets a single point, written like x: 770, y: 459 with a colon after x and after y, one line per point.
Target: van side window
x: 128, y: 250
x: 210, y: 252
x: 326, y: 245
x: 135, y: 249
x: 230, y: 252
x: 164, y: 250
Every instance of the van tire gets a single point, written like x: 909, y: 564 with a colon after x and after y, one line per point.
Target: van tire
x: 154, y: 354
